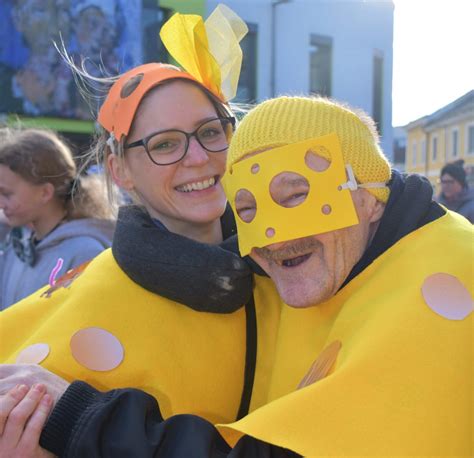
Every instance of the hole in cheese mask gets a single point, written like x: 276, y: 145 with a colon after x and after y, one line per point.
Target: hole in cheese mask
x: 325, y: 206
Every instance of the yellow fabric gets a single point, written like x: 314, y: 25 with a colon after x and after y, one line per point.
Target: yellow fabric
x: 225, y: 30
x: 209, y: 51
x: 308, y: 217
x: 287, y: 120
x: 192, y: 362
x: 402, y: 384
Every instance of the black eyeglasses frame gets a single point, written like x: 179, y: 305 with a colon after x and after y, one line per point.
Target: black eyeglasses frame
x: 144, y: 141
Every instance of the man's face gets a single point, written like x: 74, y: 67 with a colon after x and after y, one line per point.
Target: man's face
x: 310, y: 270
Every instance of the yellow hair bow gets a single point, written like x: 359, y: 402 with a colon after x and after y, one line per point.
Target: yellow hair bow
x: 210, y: 50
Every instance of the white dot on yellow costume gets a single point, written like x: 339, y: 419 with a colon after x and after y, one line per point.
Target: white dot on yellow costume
x: 96, y: 349
x: 34, y: 354
x: 447, y: 296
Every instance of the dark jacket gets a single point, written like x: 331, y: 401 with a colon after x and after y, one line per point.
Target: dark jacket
x: 462, y: 204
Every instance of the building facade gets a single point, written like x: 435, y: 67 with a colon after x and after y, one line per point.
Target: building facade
x: 443, y: 136
x: 336, y: 49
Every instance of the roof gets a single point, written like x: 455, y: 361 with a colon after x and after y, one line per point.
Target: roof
x: 444, y: 112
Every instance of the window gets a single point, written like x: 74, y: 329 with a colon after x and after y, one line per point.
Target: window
x: 153, y: 17
x: 434, y: 149
x: 414, y: 152
x: 423, y: 151
x: 247, y: 90
x: 470, y: 139
x: 320, y: 65
x: 454, y: 142
x: 377, y: 89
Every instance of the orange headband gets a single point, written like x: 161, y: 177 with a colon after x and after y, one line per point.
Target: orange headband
x: 117, y: 112
x: 208, y: 51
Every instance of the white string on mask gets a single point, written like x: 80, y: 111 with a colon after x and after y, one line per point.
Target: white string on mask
x: 352, y: 184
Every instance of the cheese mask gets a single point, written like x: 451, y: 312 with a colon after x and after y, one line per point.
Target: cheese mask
x: 328, y: 205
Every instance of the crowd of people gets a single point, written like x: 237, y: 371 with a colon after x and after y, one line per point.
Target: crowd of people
x: 275, y: 288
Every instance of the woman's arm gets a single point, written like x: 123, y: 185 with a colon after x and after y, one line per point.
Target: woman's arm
x: 128, y: 422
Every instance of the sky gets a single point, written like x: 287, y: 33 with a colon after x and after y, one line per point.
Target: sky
x: 433, y: 56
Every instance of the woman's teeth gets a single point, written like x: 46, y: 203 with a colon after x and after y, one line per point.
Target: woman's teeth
x: 197, y: 186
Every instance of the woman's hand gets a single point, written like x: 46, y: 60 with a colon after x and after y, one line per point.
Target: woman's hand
x: 23, y: 413
x: 30, y: 374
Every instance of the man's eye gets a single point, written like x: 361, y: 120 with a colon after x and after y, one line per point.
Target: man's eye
x: 247, y: 213
x: 294, y: 199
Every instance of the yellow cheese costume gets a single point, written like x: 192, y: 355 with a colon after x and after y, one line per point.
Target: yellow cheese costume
x: 107, y: 330
x: 169, y: 349
x: 402, y: 382
x: 385, y: 366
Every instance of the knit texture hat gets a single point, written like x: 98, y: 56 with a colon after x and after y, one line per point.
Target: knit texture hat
x: 285, y: 120
x: 456, y: 170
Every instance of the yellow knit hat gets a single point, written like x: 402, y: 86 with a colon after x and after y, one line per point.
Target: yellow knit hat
x: 287, y: 120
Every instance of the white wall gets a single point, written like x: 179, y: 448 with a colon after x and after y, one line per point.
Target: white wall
x: 357, y: 29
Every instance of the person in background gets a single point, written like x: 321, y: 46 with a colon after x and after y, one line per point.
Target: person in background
x: 4, y: 228
x: 456, y: 195
x: 59, y: 220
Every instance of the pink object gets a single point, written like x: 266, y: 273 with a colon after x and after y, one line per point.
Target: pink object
x: 96, y: 349
x: 55, y: 271
x: 447, y: 296
x: 34, y: 354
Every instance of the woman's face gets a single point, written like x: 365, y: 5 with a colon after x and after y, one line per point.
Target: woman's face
x: 449, y: 186
x: 165, y: 190
x: 20, y: 200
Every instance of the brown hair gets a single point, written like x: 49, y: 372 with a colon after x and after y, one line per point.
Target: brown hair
x: 41, y: 156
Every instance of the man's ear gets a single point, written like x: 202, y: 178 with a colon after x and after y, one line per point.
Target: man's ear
x: 119, y: 172
x: 377, y: 211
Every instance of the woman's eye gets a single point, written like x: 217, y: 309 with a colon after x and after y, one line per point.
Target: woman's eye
x: 209, y: 133
x: 163, y: 146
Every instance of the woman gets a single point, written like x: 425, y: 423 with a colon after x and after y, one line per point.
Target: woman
x: 456, y: 195
x: 164, y: 142
x: 69, y: 218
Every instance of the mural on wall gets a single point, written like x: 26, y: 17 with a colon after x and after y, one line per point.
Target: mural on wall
x: 34, y: 79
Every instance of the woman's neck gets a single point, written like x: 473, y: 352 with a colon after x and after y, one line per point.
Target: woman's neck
x: 210, y: 233
x: 49, y: 219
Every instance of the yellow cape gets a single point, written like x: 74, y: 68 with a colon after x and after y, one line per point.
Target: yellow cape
x: 191, y: 362
x: 402, y: 383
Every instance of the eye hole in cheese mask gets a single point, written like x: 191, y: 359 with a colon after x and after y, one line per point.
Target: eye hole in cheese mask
x: 292, y: 191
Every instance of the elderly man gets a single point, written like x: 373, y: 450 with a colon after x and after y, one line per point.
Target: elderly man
x: 373, y: 353
x: 379, y: 280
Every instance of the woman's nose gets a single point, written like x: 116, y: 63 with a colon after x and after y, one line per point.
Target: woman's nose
x: 196, y: 154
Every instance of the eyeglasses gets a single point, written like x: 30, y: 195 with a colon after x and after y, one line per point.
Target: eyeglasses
x: 167, y: 147
x: 446, y: 182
